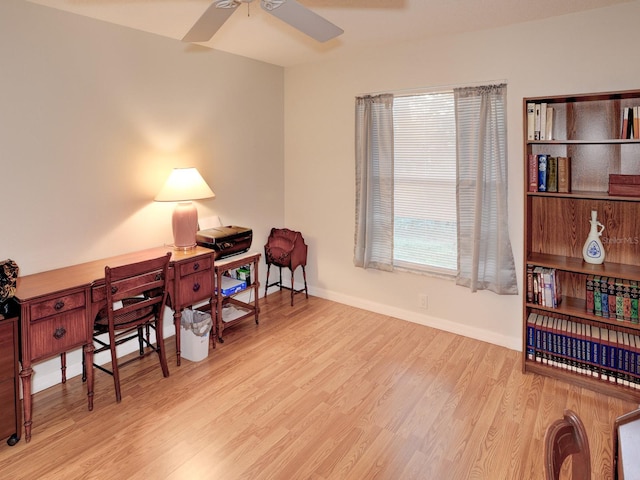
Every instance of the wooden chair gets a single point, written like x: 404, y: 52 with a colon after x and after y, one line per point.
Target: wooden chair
x: 286, y: 248
x: 567, y: 437
x: 136, y: 295
x: 633, y: 416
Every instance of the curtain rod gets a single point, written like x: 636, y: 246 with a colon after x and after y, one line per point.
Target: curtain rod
x: 418, y: 90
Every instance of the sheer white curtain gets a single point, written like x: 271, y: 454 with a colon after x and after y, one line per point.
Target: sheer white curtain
x: 374, y: 182
x: 485, y: 257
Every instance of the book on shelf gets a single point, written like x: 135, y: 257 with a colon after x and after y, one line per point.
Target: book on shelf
x: 543, y: 121
x: 542, y: 172
x: 564, y: 174
x: 611, y: 297
x: 549, y: 124
x: 597, y: 299
x: 533, y: 172
x: 589, y: 294
x: 531, y: 120
x: 633, y: 295
x: 604, y: 297
x: 552, y: 174
x: 625, y: 123
x: 630, y: 123
x: 543, y: 286
x: 604, y: 353
x: 536, y: 114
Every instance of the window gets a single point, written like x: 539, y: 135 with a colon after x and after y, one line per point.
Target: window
x: 424, y: 187
x: 431, y: 186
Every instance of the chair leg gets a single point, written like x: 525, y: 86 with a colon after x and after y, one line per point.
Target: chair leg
x: 114, y: 368
x: 293, y: 291
x: 266, y: 283
x: 304, y: 276
x: 141, y: 340
x: 280, y: 268
x: 160, y: 348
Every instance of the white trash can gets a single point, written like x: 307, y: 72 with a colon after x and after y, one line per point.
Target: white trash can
x: 195, y: 329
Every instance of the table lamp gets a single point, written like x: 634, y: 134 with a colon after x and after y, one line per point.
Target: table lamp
x: 183, y: 186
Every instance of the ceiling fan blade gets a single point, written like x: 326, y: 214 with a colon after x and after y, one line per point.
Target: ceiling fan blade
x: 211, y: 20
x: 303, y: 19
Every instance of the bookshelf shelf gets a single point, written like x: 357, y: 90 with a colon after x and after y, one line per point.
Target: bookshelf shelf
x: 610, y: 141
x: 587, y: 195
x: 556, y: 227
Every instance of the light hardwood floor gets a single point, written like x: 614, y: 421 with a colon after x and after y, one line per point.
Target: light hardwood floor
x: 316, y: 391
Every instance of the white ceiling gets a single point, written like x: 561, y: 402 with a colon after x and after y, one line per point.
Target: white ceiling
x: 253, y: 33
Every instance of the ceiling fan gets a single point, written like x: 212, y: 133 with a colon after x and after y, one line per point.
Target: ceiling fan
x: 289, y: 11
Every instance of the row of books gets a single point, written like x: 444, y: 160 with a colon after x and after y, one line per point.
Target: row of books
x: 539, y: 121
x: 630, y: 123
x: 549, y: 174
x: 543, y: 286
x: 605, y: 353
x: 610, y: 297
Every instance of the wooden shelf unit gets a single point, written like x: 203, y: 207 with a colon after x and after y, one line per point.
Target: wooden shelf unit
x: 587, y: 129
x: 249, y: 309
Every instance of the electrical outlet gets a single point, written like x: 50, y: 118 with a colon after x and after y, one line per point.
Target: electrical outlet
x: 423, y: 301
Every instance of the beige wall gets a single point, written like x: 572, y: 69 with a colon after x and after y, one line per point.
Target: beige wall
x: 576, y: 53
x: 92, y: 119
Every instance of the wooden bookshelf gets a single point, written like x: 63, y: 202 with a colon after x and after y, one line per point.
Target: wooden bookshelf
x: 586, y: 128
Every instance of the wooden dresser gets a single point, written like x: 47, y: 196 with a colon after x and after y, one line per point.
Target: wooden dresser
x: 10, y: 411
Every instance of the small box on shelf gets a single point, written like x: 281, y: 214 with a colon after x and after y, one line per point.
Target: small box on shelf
x: 229, y: 285
x: 624, y: 185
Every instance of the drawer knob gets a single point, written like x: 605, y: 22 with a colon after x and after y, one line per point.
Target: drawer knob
x: 196, y: 287
x: 196, y: 266
x: 59, y: 305
x: 114, y: 289
x: 158, y: 277
x: 59, y: 333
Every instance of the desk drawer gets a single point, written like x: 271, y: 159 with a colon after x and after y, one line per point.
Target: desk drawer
x: 195, y: 288
x: 57, y: 305
x: 195, y: 266
x: 57, y: 334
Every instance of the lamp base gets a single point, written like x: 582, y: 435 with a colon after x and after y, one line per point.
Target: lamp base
x: 185, y: 226
x: 184, y: 249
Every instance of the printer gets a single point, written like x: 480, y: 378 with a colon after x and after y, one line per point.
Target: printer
x: 225, y: 241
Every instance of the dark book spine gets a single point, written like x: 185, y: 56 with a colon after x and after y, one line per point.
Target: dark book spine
x: 542, y: 172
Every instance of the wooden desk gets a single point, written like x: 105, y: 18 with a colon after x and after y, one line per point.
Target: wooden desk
x: 58, y: 307
x: 249, y: 309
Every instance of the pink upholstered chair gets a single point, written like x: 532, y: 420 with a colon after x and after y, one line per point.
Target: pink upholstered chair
x: 286, y: 248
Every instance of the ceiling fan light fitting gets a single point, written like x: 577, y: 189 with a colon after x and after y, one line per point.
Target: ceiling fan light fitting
x: 271, y: 5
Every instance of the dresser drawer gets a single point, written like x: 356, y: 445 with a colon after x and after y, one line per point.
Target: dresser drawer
x: 195, y: 266
x: 57, y: 305
x: 57, y: 334
x: 195, y: 288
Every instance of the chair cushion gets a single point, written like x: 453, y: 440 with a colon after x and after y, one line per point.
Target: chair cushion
x: 278, y: 250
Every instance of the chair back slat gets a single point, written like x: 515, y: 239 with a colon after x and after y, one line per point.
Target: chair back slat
x: 139, y: 286
x: 565, y: 438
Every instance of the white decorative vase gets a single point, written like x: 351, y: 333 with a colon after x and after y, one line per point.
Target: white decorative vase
x: 593, y: 251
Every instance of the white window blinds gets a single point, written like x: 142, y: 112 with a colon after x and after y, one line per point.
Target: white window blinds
x: 425, y: 232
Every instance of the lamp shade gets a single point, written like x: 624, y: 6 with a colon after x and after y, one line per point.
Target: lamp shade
x: 183, y: 185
